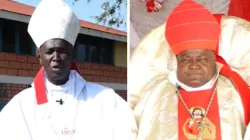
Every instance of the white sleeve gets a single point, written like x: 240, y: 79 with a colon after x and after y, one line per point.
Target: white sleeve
x: 126, y: 128
x: 119, y: 122
x: 12, y: 122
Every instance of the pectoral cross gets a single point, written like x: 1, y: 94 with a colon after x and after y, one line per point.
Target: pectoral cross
x: 60, y: 101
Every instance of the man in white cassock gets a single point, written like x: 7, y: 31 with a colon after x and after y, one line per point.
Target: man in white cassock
x: 61, y: 105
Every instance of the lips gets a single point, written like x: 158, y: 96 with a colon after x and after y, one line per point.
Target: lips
x: 57, y: 67
x: 194, y: 77
x: 194, y: 73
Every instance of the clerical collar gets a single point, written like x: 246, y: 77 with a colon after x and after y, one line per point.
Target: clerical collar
x: 174, y: 80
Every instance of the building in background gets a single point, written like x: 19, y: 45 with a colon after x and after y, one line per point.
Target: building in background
x: 101, y: 53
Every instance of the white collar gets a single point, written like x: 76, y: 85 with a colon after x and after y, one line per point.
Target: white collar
x: 174, y: 80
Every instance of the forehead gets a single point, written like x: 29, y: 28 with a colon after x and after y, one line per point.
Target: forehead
x: 56, y: 43
x: 196, y: 52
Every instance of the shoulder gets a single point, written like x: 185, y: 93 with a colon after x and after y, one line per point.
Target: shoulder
x: 91, y: 87
x: 225, y: 81
x: 104, y: 96
x: 23, y: 100
x: 96, y: 91
x: 156, y: 88
x: 96, y: 86
x: 100, y: 90
x: 27, y: 94
x: 26, y: 97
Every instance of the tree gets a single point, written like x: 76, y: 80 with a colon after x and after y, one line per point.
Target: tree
x: 113, y: 15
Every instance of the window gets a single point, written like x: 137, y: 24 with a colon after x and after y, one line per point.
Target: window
x: 80, y: 52
x: 105, y: 56
x: 93, y: 57
x: 107, y: 52
x: 15, y: 38
x: 26, y: 43
x: 94, y: 49
x: 8, y: 36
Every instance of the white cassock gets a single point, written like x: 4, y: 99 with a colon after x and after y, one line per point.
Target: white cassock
x: 89, y: 112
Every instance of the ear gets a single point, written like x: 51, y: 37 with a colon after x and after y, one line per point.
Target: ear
x: 40, y: 58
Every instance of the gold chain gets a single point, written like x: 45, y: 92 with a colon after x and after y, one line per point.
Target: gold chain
x: 206, y: 111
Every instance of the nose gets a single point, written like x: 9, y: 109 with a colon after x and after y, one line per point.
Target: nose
x: 56, y: 57
x: 194, y: 65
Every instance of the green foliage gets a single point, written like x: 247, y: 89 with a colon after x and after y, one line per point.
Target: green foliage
x: 112, y: 14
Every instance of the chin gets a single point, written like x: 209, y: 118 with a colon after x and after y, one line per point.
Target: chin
x: 59, y: 80
x: 195, y: 83
x: 58, y: 76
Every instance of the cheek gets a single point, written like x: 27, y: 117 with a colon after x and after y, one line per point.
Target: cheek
x: 45, y: 60
x: 208, y: 68
x: 66, y: 58
x: 46, y: 64
x: 182, y: 69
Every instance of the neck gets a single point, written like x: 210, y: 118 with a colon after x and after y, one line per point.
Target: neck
x: 59, y: 81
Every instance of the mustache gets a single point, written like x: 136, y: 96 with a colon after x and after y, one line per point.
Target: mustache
x: 194, y: 73
x: 57, y: 64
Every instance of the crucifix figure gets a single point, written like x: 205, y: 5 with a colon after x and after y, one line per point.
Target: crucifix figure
x: 60, y: 101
